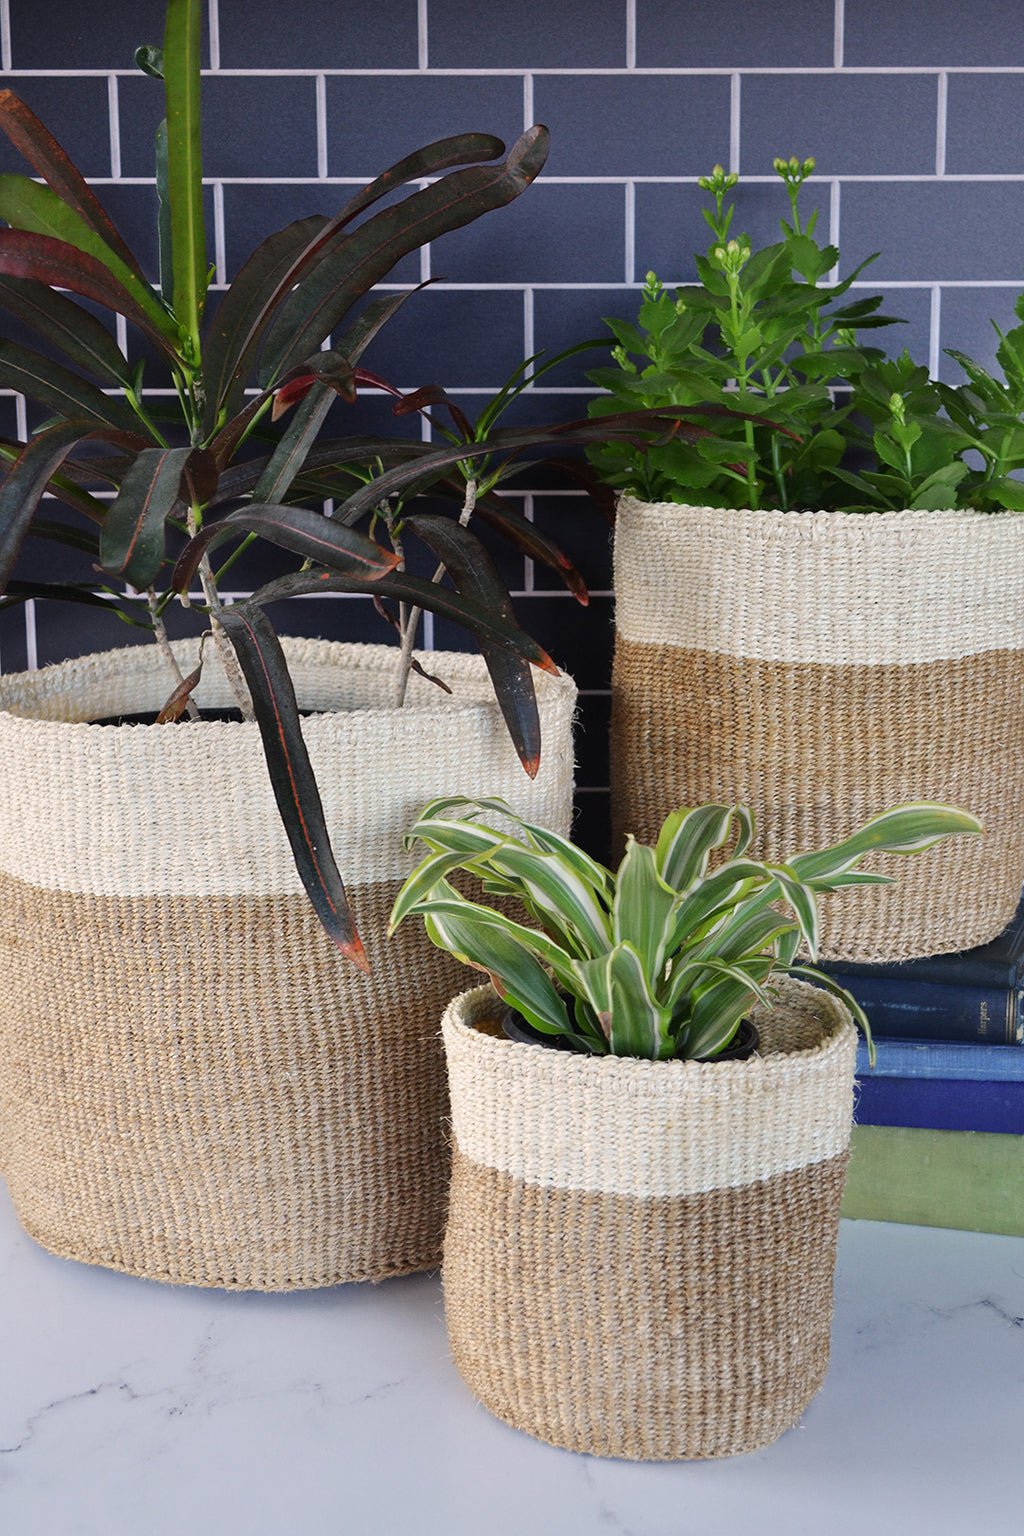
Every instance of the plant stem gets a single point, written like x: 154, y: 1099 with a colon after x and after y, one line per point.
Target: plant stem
x: 411, y: 623
x: 225, y: 650
x: 160, y: 631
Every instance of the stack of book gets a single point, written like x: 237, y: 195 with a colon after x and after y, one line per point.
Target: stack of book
x: 939, y: 1134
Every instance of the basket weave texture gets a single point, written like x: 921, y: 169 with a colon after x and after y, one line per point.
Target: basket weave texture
x: 194, y: 1085
x: 821, y: 667
x: 639, y: 1255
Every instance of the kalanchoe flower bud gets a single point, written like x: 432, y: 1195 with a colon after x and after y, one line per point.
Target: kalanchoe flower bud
x: 808, y: 166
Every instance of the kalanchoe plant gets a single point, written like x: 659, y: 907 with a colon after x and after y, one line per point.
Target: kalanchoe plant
x: 763, y: 332
x: 221, y: 465
x: 664, y: 957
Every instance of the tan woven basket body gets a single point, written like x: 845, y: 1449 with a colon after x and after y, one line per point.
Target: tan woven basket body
x: 194, y: 1085
x: 639, y: 1255
x: 823, y: 666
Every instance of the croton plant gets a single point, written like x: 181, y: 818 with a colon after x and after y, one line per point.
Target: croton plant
x: 240, y: 456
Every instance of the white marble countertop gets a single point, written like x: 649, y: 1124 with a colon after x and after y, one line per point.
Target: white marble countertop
x: 133, y: 1409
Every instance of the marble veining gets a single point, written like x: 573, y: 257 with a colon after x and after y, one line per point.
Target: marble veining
x: 133, y: 1409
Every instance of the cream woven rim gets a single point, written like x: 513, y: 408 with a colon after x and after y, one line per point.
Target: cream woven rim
x: 141, y: 810
x: 837, y: 588
x: 614, y: 1125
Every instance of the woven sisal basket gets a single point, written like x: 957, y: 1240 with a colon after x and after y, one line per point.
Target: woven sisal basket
x: 194, y: 1085
x: 639, y: 1255
x: 823, y: 666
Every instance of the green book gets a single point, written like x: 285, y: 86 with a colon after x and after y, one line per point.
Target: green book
x: 968, y: 1179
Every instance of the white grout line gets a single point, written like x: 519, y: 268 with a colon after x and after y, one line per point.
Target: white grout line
x: 839, y: 34
x: 510, y: 72
x: 5, y: 35
x: 942, y: 102
x: 213, y: 13
x: 31, y: 639
x: 630, y: 237
x: 631, y: 34
x: 734, y: 124
x: 121, y: 333
x: 834, y: 207
x: 115, y: 127
x: 922, y: 178
x: 529, y: 566
x: 529, y: 341
x: 321, y: 126
x: 219, y: 242
x: 422, y: 35
x: 935, y: 331
x: 528, y: 118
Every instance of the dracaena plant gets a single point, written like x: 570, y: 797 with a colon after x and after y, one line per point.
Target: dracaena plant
x: 665, y: 956
x: 241, y: 455
x: 762, y: 331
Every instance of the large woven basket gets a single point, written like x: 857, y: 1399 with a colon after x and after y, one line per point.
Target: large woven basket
x: 194, y: 1085
x: 639, y: 1255
x: 823, y: 666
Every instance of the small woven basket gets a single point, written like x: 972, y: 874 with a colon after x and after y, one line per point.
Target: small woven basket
x: 194, y: 1085
x: 822, y: 667
x: 639, y: 1255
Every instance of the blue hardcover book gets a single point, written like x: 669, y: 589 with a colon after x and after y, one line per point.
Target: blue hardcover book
x: 941, y: 1086
x: 975, y: 994
x: 942, y: 1059
x: 937, y: 1104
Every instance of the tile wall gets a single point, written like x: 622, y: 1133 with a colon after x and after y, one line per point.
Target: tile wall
x: 913, y: 111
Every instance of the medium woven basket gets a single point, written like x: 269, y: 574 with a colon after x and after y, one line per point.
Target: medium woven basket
x: 639, y: 1255
x: 822, y: 667
x: 194, y: 1085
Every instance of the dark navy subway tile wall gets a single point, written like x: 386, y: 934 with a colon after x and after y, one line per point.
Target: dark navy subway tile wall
x: 853, y: 125
x: 373, y: 120
x: 751, y: 35
x: 985, y: 124
x: 634, y: 125
x: 913, y: 111
x: 530, y: 34
x: 84, y: 34
x: 77, y: 114
x: 319, y: 34
x: 935, y: 231
x: 934, y: 33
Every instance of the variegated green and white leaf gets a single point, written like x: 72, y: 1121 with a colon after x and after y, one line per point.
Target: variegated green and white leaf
x: 687, y: 840
x: 801, y: 899
x: 543, y: 949
x: 717, y: 1012
x: 713, y: 898
x: 643, y: 911
x: 421, y: 885
x: 567, y: 902
x: 516, y: 975
x: 640, y: 1024
x: 903, y: 829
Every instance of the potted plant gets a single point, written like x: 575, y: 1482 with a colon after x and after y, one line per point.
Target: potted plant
x: 195, y: 1084
x: 642, y: 1224
x: 823, y: 619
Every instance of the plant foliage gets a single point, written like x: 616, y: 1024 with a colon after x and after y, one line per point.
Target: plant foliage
x: 662, y: 958
x: 241, y: 457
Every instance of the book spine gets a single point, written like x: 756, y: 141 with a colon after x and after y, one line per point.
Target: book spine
x: 933, y: 1104
x: 924, y: 1010
x: 966, y: 1179
x: 947, y: 1059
